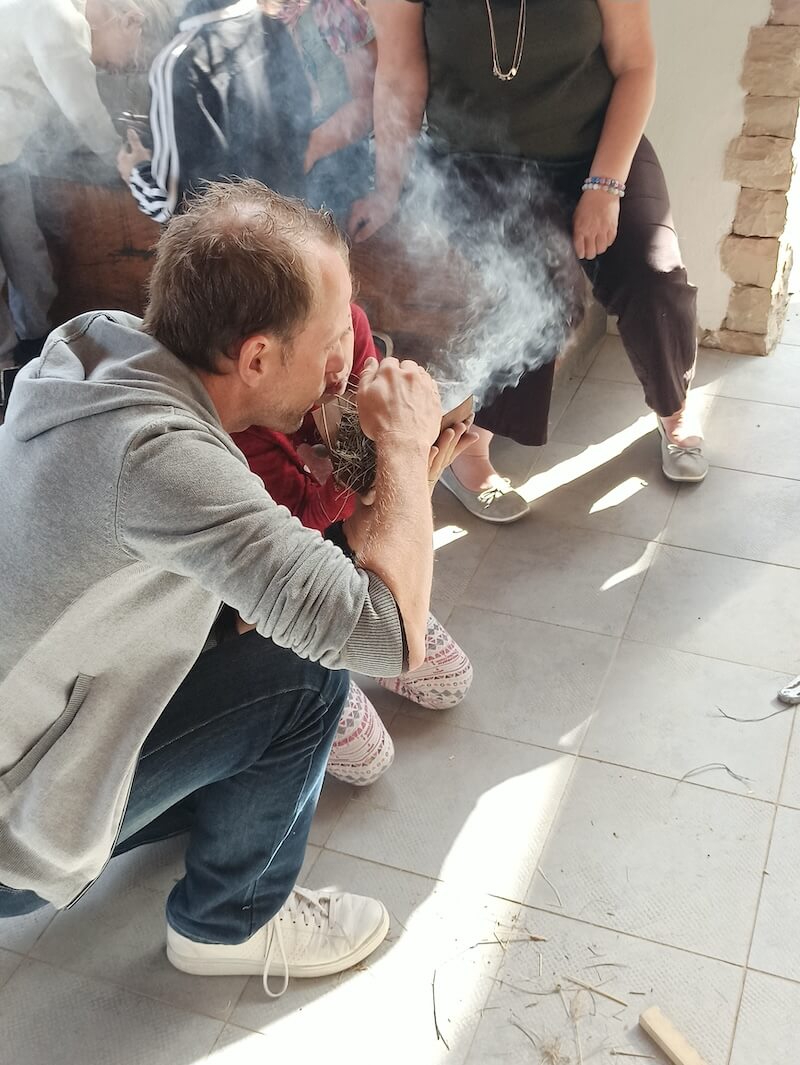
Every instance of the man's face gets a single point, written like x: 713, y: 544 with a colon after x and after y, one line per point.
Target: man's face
x: 318, y: 362
x: 116, y: 35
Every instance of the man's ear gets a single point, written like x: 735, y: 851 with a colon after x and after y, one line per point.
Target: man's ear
x: 259, y: 356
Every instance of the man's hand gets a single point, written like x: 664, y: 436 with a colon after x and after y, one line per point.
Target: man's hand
x: 131, y: 154
x: 595, y: 223
x: 369, y: 215
x: 451, y: 443
x: 398, y: 403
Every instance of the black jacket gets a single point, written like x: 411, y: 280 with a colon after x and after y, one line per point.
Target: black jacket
x: 229, y: 99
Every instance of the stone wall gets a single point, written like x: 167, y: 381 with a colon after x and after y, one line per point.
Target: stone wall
x: 757, y: 255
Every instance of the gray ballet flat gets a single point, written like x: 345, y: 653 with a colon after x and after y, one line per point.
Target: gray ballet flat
x: 683, y: 464
x: 500, y: 504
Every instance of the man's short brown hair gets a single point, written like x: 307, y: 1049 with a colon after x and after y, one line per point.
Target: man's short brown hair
x: 236, y: 262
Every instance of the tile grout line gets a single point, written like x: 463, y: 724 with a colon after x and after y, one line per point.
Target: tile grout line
x: 106, y: 981
x: 632, y: 639
x: 632, y: 935
x: 761, y: 885
x: 577, y: 753
x: 714, y: 658
x: 600, y: 689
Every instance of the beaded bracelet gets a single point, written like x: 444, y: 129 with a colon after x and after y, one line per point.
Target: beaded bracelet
x: 604, y: 184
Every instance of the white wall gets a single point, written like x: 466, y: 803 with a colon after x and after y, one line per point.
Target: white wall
x: 699, y: 110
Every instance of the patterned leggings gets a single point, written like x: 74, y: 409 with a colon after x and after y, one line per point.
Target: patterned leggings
x: 363, y: 749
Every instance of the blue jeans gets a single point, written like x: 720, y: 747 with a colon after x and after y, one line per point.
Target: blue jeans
x: 237, y: 759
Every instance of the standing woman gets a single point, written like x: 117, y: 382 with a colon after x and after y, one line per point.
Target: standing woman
x: 336, y: 45
x: 568, y: 84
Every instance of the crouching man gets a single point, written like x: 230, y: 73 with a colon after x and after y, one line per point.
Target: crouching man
x: 127, y: 516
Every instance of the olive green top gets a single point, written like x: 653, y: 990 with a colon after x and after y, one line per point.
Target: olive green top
x: 553, y: 109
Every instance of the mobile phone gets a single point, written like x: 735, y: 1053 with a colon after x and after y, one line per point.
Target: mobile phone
x: 139, y: 123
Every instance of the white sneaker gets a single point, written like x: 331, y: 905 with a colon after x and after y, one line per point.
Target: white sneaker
x: 315, y: 933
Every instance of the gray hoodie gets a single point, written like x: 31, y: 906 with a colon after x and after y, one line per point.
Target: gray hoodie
x: 127, y: 516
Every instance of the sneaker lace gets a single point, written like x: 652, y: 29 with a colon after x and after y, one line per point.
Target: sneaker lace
x: 309, y: 907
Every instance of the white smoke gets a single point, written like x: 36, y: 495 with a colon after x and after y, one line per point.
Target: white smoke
x: 517, y: 280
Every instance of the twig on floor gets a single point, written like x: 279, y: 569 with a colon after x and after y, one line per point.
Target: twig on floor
x: 605, y: 964
x: 523, y: 990
x: 397, y: 920
x: 550, y: 884
x: 716, y: 765
x: 551, y: 1054
x: 533, y: 1036
x: 435, y: 1019
x: 540, y: 961
x: 503, y: 942
x: 563, y: 998
x: 754, y: 720
x: 596, y: 991
x: 578, y: 1041
x: 630, y: 1054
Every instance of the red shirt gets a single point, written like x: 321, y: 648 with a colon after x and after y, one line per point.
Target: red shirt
x: 273, y: 456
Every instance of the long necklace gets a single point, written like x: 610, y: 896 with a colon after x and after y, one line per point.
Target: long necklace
x: 519, y: 47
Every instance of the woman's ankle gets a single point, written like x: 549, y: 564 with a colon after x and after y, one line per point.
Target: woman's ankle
x: 474, y: 472
x: 683, y: 428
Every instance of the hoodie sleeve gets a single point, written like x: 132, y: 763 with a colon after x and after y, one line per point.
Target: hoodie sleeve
x: 59, y: 42
x: 188, y: 505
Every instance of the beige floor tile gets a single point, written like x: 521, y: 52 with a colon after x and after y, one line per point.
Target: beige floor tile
x: 775, y: 379
x: 776, y: 942
x: 382, y: 1010
x: 766, y: 1033
x: 638, y: 973
x: 513, y: 460
x: 9, y: 963
x: 566, y: 576
x: 722, y: 607
x: 623, y: 493
x: 461, y: 542
x: 156, y: 867
x: 334, y: 798
x: 659, y: 712
x: 533, y: 682
x: 754, y: 437
x: 746, y: 515
x: 676, y: 863
x: 466, y: 808
x: 612, y: 364
x: 564, y: 390
x: 790, y: 792
x: 50, y: 1016
x: 601, y: 410
x: 120, y: 938
x: 20, y: 933
x: 791, y: 329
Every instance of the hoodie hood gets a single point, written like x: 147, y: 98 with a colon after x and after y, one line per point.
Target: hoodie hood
x: 99, y: 362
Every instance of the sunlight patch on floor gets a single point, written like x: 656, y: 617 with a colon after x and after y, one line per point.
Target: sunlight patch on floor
x: 595, y: 455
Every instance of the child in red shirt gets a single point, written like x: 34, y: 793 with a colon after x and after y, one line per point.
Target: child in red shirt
x: 362, y: 748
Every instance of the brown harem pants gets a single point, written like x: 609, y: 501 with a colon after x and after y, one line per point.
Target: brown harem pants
x: 641, y: 279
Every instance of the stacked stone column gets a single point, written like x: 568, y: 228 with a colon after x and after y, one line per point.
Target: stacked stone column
x: 758, y: 254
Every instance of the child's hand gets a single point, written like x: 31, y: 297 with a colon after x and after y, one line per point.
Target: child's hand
x: 130, y: 155
x: 449, y: 446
